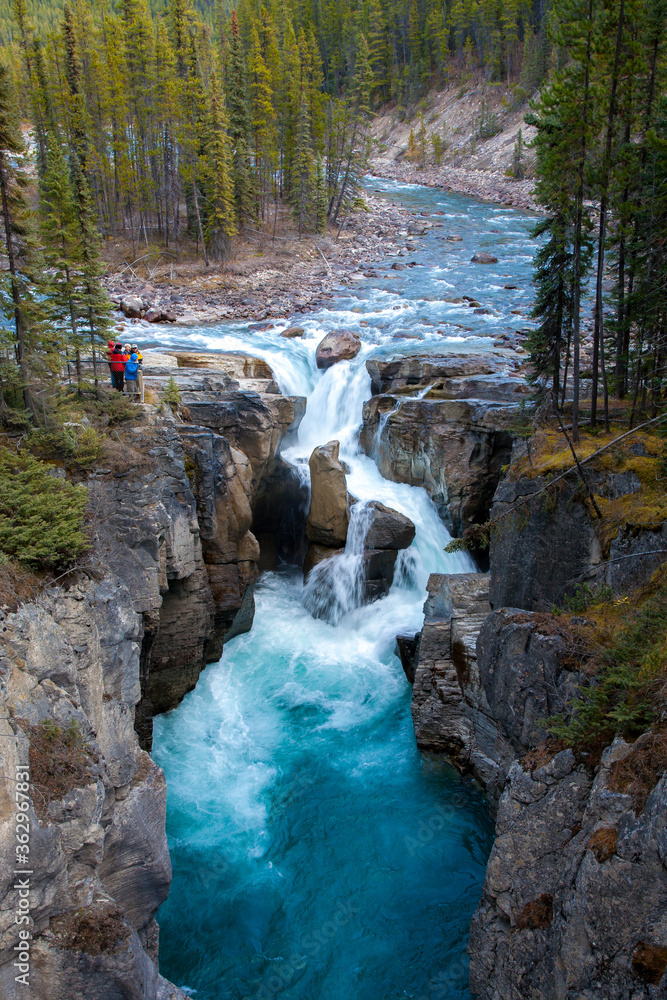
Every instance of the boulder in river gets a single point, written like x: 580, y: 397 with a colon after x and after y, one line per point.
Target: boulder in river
x: 341, y: 345
x: 132, y: 306
x: 329, y: 513
x: 293, y: 331
x: 389, y: 529
x: 481, y: 257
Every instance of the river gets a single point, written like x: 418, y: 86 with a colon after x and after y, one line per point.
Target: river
x: 316, y: 854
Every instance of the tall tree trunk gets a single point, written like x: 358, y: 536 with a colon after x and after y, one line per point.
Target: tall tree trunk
x: 576, y: 339
x: 201, y: 231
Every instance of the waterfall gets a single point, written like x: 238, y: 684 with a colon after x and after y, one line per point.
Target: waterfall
x: 316, y: 854
x: 336, y: 586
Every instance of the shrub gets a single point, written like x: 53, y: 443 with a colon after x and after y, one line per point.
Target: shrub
x: 17, y: 584
x: 117, y: 407
x: 171, y: 394
x: 74, y: 444
x: 41, y: 517
x: 60, y: 760
x: 626, y: 690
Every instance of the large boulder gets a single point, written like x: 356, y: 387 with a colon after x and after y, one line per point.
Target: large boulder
x: 329, y: 513
x: 132, y: 306
x: 481, y: 257
x: 342, y: 345
x: 389, y: 529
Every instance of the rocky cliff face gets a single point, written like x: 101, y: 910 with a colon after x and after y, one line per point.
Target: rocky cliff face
x: 575, y: 896
x: 85, y: 667
x: 548, y: 540
x: 444, y: 424
x: 576, y: 886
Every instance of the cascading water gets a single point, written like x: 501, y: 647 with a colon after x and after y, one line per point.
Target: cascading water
x: 316, y: 854
x: 336, y: 586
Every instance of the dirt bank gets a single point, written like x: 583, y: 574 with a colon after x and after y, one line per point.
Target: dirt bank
x: 472, y: 164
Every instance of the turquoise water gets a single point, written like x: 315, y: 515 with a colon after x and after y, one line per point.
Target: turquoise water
x: 316, y: 854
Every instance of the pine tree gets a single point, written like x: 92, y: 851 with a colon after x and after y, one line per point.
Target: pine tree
x: 238, y: 116
x: 518, y: 166
x: 421, y: 141
x: 20, y: 288
x: 302, y: 189
x: 220, y: 225
x: 321, y: 197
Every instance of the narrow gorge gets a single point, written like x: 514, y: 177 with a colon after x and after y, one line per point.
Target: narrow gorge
x: 296, y: 712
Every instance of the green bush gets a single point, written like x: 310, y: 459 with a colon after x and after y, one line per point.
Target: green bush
x: 41, y: 517
x: 626, y: 690
x: 171, y: 394
x: 76, y: 445
x: 117, y: 407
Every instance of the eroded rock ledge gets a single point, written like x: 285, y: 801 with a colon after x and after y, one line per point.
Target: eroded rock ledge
x: 444, y: 423
x: 84, y: 669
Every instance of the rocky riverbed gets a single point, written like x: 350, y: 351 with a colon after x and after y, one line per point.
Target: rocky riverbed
x: 272, y: 280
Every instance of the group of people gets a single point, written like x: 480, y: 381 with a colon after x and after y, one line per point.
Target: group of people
x: 125, y: 366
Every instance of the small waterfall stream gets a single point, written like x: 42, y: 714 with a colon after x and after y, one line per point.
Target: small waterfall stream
x: 316, y: 854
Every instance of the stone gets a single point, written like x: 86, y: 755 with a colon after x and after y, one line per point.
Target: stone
x: 481, y: 257
x: 153, y: 315
x: 419, y: 370
x: 600, y: 919
x: 454, y: 239
x: 317, y: 554
x: 329, y: 512
x: 397, y: 267
x: 237, y: 365
x: 407, y: 650
x: 388, y: 529
x: 454, y: 448
x: 342, y: 345
x: 541, y: 550
x: 293, y: 331
x: 132, y: 306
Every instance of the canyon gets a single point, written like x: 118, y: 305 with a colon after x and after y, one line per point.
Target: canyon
x: 265, y: 468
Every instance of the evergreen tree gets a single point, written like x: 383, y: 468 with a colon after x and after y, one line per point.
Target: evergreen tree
x: 20, y: 286
x: 220, y: 225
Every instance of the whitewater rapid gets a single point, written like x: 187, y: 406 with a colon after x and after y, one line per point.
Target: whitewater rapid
x: 316, y: 854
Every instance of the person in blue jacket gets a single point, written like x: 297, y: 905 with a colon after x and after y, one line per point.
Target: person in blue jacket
x: 131, y: 370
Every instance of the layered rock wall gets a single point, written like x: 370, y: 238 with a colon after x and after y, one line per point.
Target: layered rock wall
x: 444, y: 424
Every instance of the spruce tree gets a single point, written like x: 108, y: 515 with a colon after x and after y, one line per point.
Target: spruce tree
x: 220, y: 223
x: 239, y: 126
x: 20, y: 285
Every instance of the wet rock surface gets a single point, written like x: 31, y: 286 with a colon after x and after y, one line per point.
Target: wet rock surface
x: 329, y: 512
x: 341, y: 345
x: 388, y: 528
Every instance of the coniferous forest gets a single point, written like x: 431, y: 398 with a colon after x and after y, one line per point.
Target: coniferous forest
x: 181, y: 121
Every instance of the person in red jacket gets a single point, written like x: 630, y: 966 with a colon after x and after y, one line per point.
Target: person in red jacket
x: 110, y: 344
x: 117, y: 366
